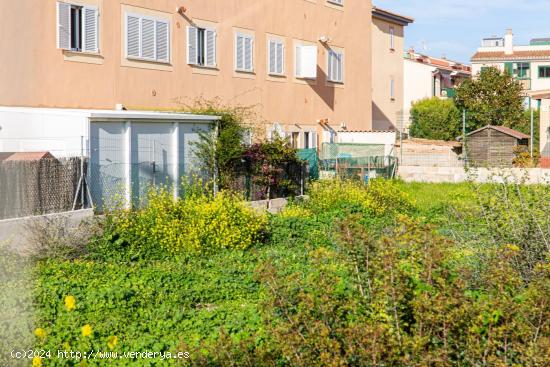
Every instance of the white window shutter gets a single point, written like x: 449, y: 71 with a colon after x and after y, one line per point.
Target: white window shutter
x: 210, y: 42
x: 280, y: 58
x: 64, y: 26
x: 308, y: 61
x: 148, y: 38
x: 162, y: 41
x: 298, y: 65
x: 248, y: 54
x: 132, y: 36
x: 192, y: 45
x: 340, y: 75
x: 272, y: 57
x: 239, y: 53
x: 330, y: 71
x: 90, y: 17
x: 313, y: 137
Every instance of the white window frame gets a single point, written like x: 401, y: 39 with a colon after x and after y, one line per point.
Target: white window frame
x: 336, y: 2
x: 251, y: 38
x: 392, y: 38
x: 83, y: 26
x: 392, y: 89
x: 205, y: 64
x: 283, y: 57
x: 330, y: 77
x: 155, y: 20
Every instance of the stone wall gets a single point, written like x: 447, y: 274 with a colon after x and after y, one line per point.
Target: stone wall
x: 12, y: 231
x: 458, y: 174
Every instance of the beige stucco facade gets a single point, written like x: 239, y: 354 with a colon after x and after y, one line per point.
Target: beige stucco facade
x: 35, y: 73
x: 387, y: 68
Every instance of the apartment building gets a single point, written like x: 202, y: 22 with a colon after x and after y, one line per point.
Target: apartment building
x: 299, y: 62
x: 530, y: 64
x: 388, y: 31
x: 427, y: 77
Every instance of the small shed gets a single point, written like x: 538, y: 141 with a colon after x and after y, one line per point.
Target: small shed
x: 494, y: 145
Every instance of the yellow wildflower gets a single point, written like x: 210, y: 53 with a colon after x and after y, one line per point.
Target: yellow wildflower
x: 70, y: 303
x: 36, y: 362
x: 112, y: 342
x: 86, y: 330
x: 514, y: 248
x: 41, y: 333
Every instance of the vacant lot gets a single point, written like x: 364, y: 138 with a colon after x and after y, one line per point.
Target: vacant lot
x: 390, y: 274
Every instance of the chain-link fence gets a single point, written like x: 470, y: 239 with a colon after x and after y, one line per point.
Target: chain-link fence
x: 363, y: 161
x: 43, y: 186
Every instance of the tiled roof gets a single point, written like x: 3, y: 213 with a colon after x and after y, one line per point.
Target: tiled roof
x: 503, y: 129
x: 25, y: 156
x: 390, y: 15
x: 517, y: 55
x: 420, y: 141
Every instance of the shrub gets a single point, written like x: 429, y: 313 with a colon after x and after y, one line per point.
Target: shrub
x: 435, y: 118
x: 194, y: 224
x: 55, y: 237
x: 379, y: 198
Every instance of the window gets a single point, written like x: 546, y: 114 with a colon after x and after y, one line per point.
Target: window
x: 310, y: 139
x: 522, y: 70
x: 244, y: 52
x: 201, y: 46
x: 544, y: 71
x: 305, y: 61
x: 295, y: 139
x: 147, y: 38
x: 276, y: 54
x: 335, y: 66
x: 392, y: 38
x: 338, y: 2
x: 392, y: 89
x: 77, y: 28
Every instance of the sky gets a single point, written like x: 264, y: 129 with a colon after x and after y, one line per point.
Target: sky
x: 454, y: 28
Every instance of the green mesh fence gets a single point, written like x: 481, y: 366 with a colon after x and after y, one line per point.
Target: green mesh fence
x: 310, y: 156
x: 356, y: 161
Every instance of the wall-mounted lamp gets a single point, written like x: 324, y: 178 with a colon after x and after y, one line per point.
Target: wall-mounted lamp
x: 181, y: 10
x: 324, y: 39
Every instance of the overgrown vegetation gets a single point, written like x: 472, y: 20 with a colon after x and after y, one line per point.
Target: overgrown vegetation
x: 386, y: 275
x: 240, y: 164
x: 493, y: 97
x: 436, y: 118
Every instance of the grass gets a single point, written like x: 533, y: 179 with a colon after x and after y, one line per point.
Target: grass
x: 167, y: 304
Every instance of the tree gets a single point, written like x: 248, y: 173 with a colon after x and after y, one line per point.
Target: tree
x: 491, y: 98
x: 434, y: 118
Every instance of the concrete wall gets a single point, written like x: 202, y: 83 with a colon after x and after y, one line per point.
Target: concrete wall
x: 458, y: 174
x: 387, y: 65
x: 12, y: 231
x: 386, y: 138
x: 35, y: 73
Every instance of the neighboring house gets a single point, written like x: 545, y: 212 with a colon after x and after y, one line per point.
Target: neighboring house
x: 388, y: 30
x: 494, y: 145
x: 299, y: 62
x: 530, y: 64
x: 427, y: 77
x: 544, y: 148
